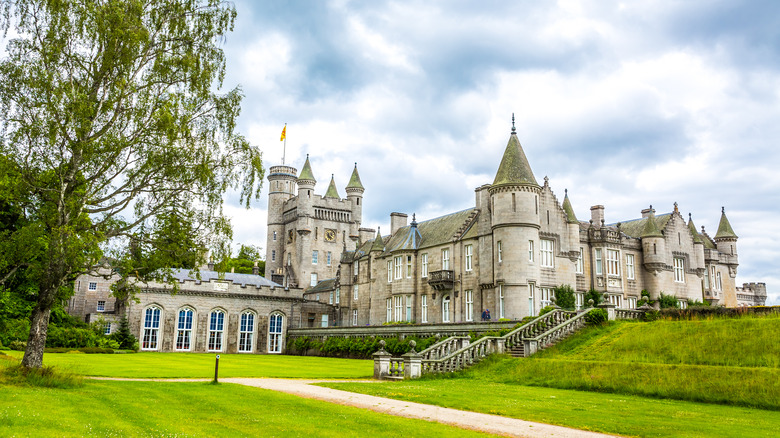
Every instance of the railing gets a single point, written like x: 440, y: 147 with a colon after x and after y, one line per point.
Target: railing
x: 537, y: 326
x: 441, y: 280
x: 463, y: 357
x: 445, y: 347
x: 555, y: 333
x: 400, y: 330
x: 629, y: 314
x: 396, y: 367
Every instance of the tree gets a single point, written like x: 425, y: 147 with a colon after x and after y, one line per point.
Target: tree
x: 564, y: 296
x: 114, y: 135
x: 244, y: 262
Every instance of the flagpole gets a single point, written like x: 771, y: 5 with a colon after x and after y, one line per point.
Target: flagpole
x: 284, y: 150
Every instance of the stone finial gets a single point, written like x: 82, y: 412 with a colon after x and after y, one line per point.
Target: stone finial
x: 412, y: 344
x: 546, y: 180
x: 382, y: 344
x: 689, y: 215
x: 565, y: 191
x: 723, y: 210
x: 675, y: 207
x: 513, y: 124
x: 702, y: 229
x: 590, y: 302
x: 602, y: 222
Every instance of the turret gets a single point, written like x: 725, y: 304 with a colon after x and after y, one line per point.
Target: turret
x: 654, y: 252
x: 332, y: 191
x: 306, y: 183
x: 355, y: 196
x: 725, y: 238
x: 514, y: 199
x: 281, y: 187
x: 572, y: 224
x: 698, y: 245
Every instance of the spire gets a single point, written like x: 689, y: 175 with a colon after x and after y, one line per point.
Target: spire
x: 694, y: 233
x: 332, y: 191
x: 651, y: 228
x: 306, y: 173
x: 724, y: 228
x: 379, y: 243
x: 514, y: 168
x: 570, y: 217
x: 354, y: 180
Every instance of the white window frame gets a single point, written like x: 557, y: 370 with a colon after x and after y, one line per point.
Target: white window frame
x: 409, y: 308
x: 445, y: 308
x: 630, y: 267
x: 324, y: 320
x: 398, y: 267
x: 315, y: 255
x: 101, y: 306
x: 424, y: 308
x: 501, y: 304
x: 679, y: 270
x: 389, y: 271
x: 631, y: 302
x: 184, y: 329
x: 599, y: 267
x: 546, y: 295
x: 580, y: 268
x: 338, y: 295
x: 216, y: 332
x: 389, y: 310
x: 531, y: 300
x: 424, y: 266
x: 445, y: 259
x: 92, y: 286
x: 399, y: 308
x: 107, y: 330
x: 579, y: 300
x: 313, y: 279
x: 275, y: 332
x: 246, y: 331
x: 408, y: 266
x: 613, y: 262
x: 530, y: 251
x: 355, y: 292
x: 498, y: 252
x: 354, y: 316
x: 469, y: 250
x: 329, y: 257
x: 617, y: 300
x: 546, y: 253
x: 469, y: 305
x: 150, y: 334
x: 355, y: 268
x: 330, y: 298
x: 682, y: 303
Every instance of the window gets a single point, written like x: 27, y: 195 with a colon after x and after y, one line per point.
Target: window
x: 531, y: 251
x: 531, y: 288
x: 398, y: 273
x: 409, y: 266
x: 718, y: 283
x: 92, y: 285
x: 389, y: 271
x: 498, y: 251
x: 546, y: 251
x: 630, y: 273
x: 184, y: 330
x: 355, y: 292
x: 599, y: 270
x: 107, y: 330
x: 313, y: 279
x: 408, y: 307
x: 338, y: 295
x: 683, y: 304
x: 273, y: 255
x: 445, y: 309
x: 579, y: 300
x: 706, y: 279
x: 631, y: 303
x: 546, y: 296
x: 445, y: 259
x: 580, y: 267
x: 424, y: 308
x: 151, y: 328
x: 355, y: 268
x: 246, y: 330
x: 330, y: 298
x: 613, y: 262
x: 389, y: 309
x: 469, y: 252
x: 399, y: 307
x: 617, y: 300
x: 101, y: 306
x: 501, y: 311
x: 216, y: 328
x: 354, y: 317
x: 324, y: 320
x: 424, y: 265
x: 274, y: 236
x: 329, y: 257
x: 679, y: 270
x: 275, y: 333
x: 469, y: 305
x: 314, y: 257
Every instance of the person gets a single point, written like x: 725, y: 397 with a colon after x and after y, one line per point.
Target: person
x: 484, y: 315
x: 487, y: 314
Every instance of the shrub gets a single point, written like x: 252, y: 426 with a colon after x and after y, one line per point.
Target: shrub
x: 18, y: 345
x: 564, y: 296
x: 545, y: 310
x: 597, y: 317
x: 123, y: 337
x: 594, y: 295
x: 668, y: 301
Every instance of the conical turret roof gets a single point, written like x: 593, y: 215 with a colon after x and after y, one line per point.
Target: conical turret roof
x: 332, y: 191
x: 694, y: 233
x: 514, y: 167
x: 379, y: 243
x: 306, y: 173
x: 354, y: 180
x: 651, y: 228
x: 724, y: 228
x: 570, y: 216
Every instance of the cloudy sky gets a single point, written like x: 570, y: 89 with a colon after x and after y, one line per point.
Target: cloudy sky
x: 626, y: 104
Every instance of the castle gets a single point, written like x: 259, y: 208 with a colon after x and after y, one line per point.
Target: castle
x: 506, y: 254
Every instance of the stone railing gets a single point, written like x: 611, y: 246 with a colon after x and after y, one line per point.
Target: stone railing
x: 629, y: 314
x: 538, y: 326
x: 400, y: 330
x: 464, y: 357
x: 553, y: 334
x: 445, y: 347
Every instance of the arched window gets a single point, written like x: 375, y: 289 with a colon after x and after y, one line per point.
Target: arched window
x: 184, y: 330
x: 445, y: 309
x: 216, y: 330
x: 275, y: 333
x: 246, y: 330
x: 151, y: 333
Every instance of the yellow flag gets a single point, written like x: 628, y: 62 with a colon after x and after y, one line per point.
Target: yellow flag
x: 284, y: 133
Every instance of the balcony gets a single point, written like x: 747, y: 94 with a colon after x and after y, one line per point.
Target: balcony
x: 441, y: 280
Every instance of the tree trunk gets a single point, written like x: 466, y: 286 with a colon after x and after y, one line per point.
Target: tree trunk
x: 36, y: 341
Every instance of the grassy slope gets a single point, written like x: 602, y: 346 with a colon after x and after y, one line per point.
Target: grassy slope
x: 195, y: 365
x: 191, y: 409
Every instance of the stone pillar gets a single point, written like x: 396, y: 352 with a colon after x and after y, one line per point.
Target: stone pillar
x: 500, y: 346
x: 381, y: 362
x: 464, y: 343
x: 610, y: 308
x: 412, y: 363
x: 530, y: 347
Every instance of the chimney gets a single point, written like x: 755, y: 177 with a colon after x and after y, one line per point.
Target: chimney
x: 597, y: 214
x: 255, y: 269
x: 366, y: 234
x: 397, y: 221
x: 646, y: 212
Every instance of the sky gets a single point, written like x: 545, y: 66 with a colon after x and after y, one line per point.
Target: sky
x: 625, y: 104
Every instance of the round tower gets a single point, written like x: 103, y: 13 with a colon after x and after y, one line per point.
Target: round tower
x: 514, y: 207
x: 355, y: 192
x: 306, y: 183
x: 281, y: 187
x: 725, y: 238
x: 653, y: 253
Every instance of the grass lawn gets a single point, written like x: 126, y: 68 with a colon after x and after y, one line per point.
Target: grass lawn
x: 201, y: 365
x: 609, y: 413
x: 191, y: 409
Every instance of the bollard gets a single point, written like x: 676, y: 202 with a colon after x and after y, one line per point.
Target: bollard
x: 216, y: 370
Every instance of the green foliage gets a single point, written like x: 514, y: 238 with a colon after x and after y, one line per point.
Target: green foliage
x: 122, y: 336
x: 47, y: 377
x: 244, y: 262
x: 564, y: 297
x: 545, y: 310
x: 597, y: 317
x: 668, y: 301
x: 594, y: 295
x: 353, y: 347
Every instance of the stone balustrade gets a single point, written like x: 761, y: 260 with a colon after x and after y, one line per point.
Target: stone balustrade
x: 445, y: 347
x: 401, y: 331
x: 629, y: 314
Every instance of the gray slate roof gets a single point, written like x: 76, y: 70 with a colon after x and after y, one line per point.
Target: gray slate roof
x: 242, y: 279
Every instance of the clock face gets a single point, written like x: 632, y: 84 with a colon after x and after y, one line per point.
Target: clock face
x: 330, y: 235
